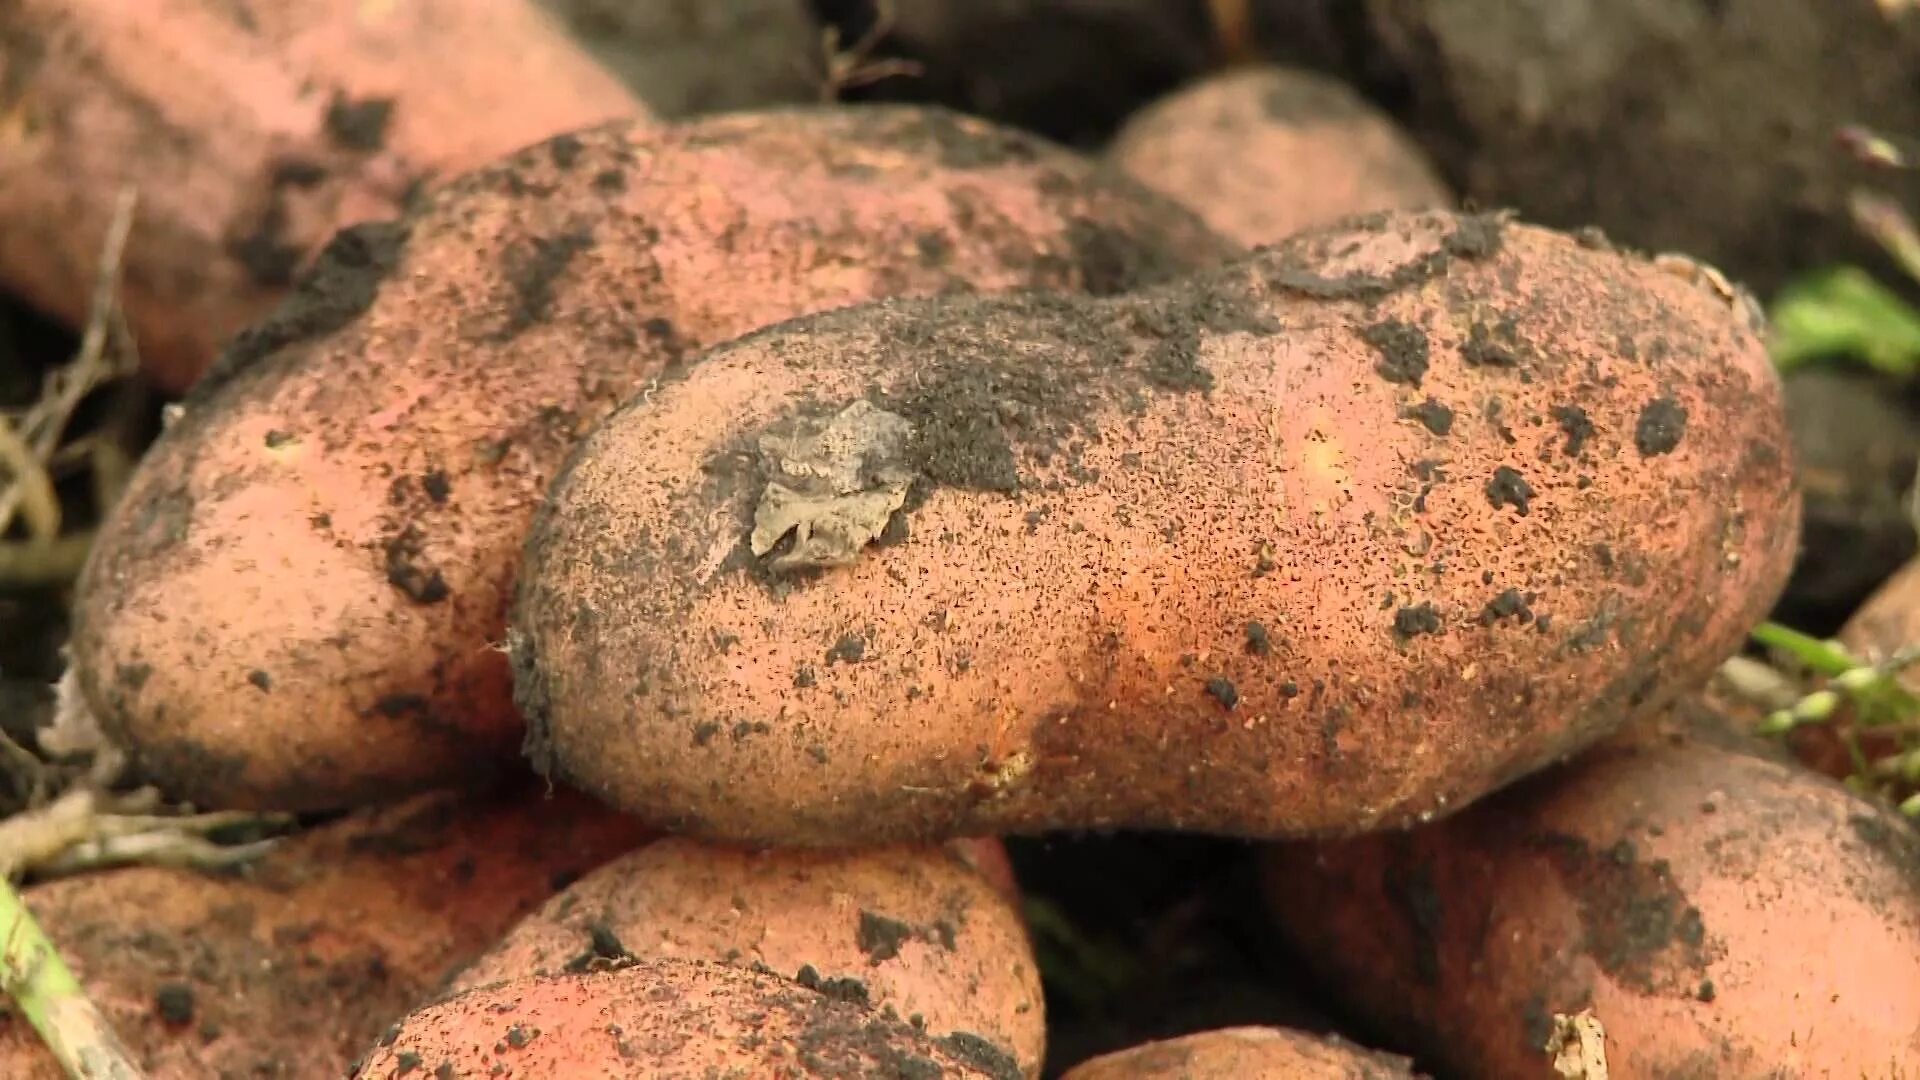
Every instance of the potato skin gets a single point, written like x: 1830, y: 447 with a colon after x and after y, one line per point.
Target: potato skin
x: 667, y: 1018
x: 1724, y: 915
x: 1198, y: 558
x: 1261, y: 153
x: 296, y: 603
x: 914, y: 930
x: 252, y: 132
x: 296, y: 966
x: 1244, y: 1053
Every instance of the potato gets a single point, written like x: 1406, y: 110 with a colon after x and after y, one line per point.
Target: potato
x: 1721, y: 914
x: 1261, y: 153
x: 292, y: 968
x: 1334, y: 538
x: 250, y: 133
x: 684, y: 59
x: 670, y: 1018
x: 294, y: 603
x: 912, y: 931
x: 1244, y: 1053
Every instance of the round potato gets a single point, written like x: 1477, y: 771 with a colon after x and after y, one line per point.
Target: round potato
x: 915, y: 931
x: 249, y: 133
x: 297, y: 603
x: 1715, y: 912
x: 669, y: 1018
x: 295, y: 967
x: 1261, y: 153
x: 1337, y: 537
x: 1245, y: 1053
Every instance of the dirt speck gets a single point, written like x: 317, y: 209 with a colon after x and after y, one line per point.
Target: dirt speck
x: 531, y: 269
x: 1493, y: 345
x: 1575, y: 425
x: 881, y: 937
x: 174, y: 1002
x: 1639, y: 926
x: 1509, y: 488
x: 1222, y: 690
x: 1421, y: 618
x: 850, y: 649
x: 1435, y: 417
x: 1403, y: 351
x: 1259, y: 641
x: 1662, y: 424
x: 359, y: 125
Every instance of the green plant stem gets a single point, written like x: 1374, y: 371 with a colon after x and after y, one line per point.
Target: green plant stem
x: 52, y: 1001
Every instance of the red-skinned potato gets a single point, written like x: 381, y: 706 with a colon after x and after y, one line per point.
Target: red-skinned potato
x: 914, y: 931
x: 669, y: 1018
x: 1262, y: 153
x: 295, y: 965
x: 1721, y: 913
x: 1337, y: 537
x: 1245, y: 1053
x: 298, y: 600
x: 250, y: 133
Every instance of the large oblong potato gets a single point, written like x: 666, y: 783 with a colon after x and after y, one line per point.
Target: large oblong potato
x: 1719, y: 913
x: 669, y: 1019
x: 1261, y: 153
x: 250, y: 132
x: 911, y: 929
x: 296, y: 602
x: 1339, y: 536
x: 1245, y: 1053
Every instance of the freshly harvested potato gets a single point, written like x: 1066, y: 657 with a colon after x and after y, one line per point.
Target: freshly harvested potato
x: 914, y: 931
x: 683, y: 59
x: 250, y: 133
x: 1334, y: 538
x: 1261, y: 153
x: 295, y: 604
x: 670, y: 1018
x: 1720, y: 914
x: 1245, y: 1053
x: 295, y: 966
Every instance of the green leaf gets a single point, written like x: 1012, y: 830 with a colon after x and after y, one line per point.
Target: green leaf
x: 1845, y: 313
x: 1824, y: 657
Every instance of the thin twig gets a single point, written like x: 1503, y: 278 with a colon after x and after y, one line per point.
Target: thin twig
x: 66, y: 386
x: 851, y: 67
x: 38, y: 980
x: 32, y: 488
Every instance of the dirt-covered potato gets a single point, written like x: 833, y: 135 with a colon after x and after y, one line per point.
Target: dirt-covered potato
x: 1339, y: 536
x: 297, y: 601
x: 670, y: 1018
x: 1246, y: 1053
x: 712, y: 56
x: 1719, y: 913
x: 912, y: 930
x: 1261, y: 153
x: 249, y: 133
x: 1707, y: 128
x: 294, y: 966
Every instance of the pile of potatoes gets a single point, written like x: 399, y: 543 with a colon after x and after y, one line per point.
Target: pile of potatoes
x: 671, y: 554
